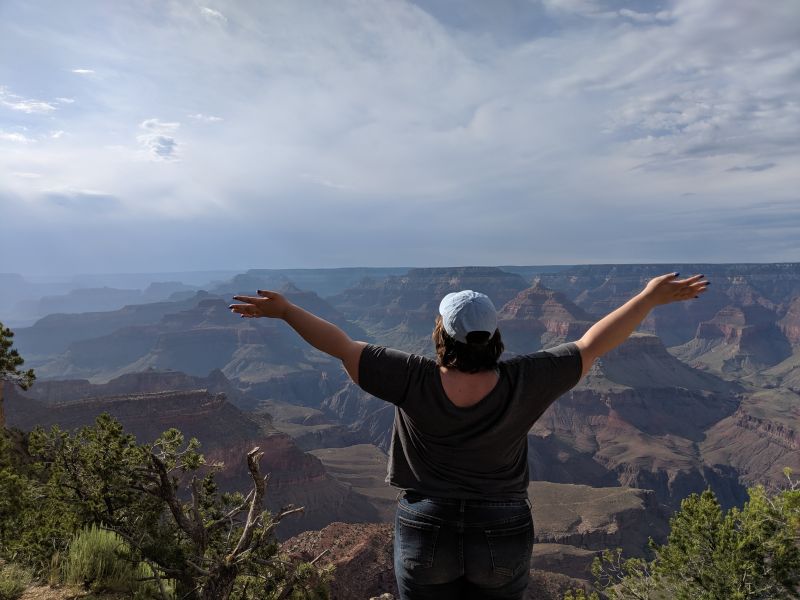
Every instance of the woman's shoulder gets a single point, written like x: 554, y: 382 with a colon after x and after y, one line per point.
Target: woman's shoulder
x: 387, y: 372
x: 388, y: 358
x: 565, y: 350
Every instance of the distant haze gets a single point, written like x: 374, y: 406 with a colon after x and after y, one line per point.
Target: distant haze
x: 226, y: 135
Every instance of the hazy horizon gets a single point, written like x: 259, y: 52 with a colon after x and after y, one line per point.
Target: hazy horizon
x: 53, y: 277
x: 189, y: 136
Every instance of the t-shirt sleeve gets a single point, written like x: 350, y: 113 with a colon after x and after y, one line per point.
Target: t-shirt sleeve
x: 387, y: 373
x: 550, y: 373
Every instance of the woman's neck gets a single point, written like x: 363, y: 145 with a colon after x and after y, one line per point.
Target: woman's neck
x: 466, y: 389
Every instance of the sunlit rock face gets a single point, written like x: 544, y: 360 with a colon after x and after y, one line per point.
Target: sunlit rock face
x: 538, y: 317
x: 737, y: 340
x: 600, y: 288
x: 790, y: 322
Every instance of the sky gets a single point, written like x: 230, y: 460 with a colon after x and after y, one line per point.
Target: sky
x: 158, y: 135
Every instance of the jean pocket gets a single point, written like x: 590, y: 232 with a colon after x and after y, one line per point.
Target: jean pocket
x: 417, y: 542
x: 510, y: 548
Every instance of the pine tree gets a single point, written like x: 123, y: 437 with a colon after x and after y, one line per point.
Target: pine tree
x: 10, y: 361
x: 162, y: 500
x: 752, y: 553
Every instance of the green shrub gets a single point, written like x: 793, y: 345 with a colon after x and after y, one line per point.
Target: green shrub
x: 101, y: 560
x: 750, y: 553
x: 13, y: 581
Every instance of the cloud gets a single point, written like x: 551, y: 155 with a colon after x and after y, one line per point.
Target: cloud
x: 584, y: 8
x: 213, y: 15
x: 751, y: 168
x: 158, y: 139
x: 25, y: 105
x: 640, y: 17
x: 205, y: 118
x: 14, y: 137
x: 526, y: 118
x: 83, y: 71
x: 81, y: 200
x: 65, y: 100
x: 57, y: 134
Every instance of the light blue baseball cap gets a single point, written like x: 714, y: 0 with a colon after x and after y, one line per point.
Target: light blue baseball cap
x: 467, y: 311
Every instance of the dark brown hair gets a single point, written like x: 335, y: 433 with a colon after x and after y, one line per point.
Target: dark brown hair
x: 480, y: 353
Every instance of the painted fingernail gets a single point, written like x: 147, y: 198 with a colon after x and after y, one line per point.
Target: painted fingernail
x: 676, y: 274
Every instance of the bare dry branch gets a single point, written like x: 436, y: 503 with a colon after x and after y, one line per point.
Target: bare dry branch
x: 253, y: 458
x: 320, y: 555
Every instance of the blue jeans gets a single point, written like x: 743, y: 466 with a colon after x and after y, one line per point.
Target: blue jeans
x: 457, y: 549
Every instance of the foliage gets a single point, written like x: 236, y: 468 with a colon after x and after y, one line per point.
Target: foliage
x: 752, y: 553
x: 10, y: 361
x: 103, y: 561
x: 13, y: 581
x: 162, y: 500
x: 34, y: 523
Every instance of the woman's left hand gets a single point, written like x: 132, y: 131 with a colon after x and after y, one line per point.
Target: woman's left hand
x: 668, y: 288
x: 266, y: 304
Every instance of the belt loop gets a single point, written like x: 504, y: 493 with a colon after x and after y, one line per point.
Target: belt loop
x: 400, y: 494
x: 528, y: 502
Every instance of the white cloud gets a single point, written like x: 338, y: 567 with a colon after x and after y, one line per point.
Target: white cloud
x: 27, y: 175
x: 14, y: 137
x: 65, y: 100
x: 83, y: 71
x: 213, y: 15
x: 205, y: 118
x: 57, y: 134
x: 158, y: 139
x: 25, y: 105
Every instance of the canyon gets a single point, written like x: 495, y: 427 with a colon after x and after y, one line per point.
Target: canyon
x: 705, y: 394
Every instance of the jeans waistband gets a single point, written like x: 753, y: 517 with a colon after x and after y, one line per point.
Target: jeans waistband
x: 463, y: 502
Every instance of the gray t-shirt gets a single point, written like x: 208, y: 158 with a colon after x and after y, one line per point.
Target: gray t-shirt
x: 481, y: 451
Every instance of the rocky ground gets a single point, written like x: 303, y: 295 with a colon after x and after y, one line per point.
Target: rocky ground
x: 361, y: 554
x: 45, y: 592
x: 363, y: 559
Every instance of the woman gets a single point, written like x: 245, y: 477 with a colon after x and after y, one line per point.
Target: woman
x: 463, y: 527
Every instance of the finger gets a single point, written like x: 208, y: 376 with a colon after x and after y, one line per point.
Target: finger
x: 699, y: 288
x: 266, y: 293
x: 691, y: 279
x: 242, y: 309
x: 248, y: 299
x: 667, y: 276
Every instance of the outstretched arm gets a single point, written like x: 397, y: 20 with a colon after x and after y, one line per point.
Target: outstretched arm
x: 613, y: 329
x: 321, y: 334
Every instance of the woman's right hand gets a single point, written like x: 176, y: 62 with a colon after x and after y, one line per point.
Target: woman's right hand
x: 266, y: 304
